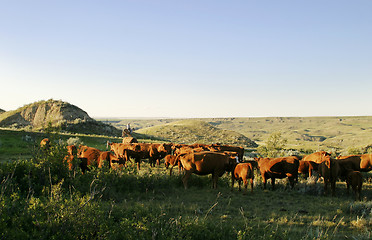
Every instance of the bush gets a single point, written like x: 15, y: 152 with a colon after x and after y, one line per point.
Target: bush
x: 273, y: 146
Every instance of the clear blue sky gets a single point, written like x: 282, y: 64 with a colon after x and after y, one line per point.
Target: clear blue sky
x: 194, y: 58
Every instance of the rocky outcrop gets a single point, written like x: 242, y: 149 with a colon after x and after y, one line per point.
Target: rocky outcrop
x: 60, y: 114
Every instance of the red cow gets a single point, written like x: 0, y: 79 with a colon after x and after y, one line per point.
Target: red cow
x: 317, y: 157
x: 204, y: 163
x: 278, y: 168
x: 171, y: 160
x: 243, y: 172
x: 92, y: 156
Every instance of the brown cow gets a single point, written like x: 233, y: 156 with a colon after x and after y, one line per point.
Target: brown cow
x: 355, y: 179
x: 138, y: 151
x: 71, y: 153
x: 171, y: 160
x: 317, y: 157
x: 204, y: 163
x: 125, y: 151
x: 366, y: 162
x: 278, y: 168
x: 222, y: 148
x: 330, y: 170
x: 242, y: 172
x: 158, y: 152
x: 129, y: 140
x: 45, y: 144
x: 307, y: 167
x: 358, y: 162
x: 92, y: 156
x: 113, y: 161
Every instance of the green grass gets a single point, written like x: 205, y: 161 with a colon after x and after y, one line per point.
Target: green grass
x: 152, y: 205
x: 40, y: 199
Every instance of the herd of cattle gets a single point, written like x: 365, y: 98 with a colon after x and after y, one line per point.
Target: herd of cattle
x: 216, y: 159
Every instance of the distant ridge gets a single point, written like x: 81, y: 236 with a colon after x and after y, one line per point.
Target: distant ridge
x: 1, y: 111
x: 69, y: 117
x: 196, y: 131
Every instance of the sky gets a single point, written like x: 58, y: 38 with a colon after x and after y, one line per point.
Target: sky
x: 189, y: 58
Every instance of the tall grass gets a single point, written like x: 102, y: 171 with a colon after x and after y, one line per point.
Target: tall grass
x: 41, y: 199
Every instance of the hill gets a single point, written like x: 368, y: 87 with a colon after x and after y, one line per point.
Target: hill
x: 339, y: 134
x: 192, y: 131
x: 1, y: 111
x: 68, y: 117
x: 316, y: 133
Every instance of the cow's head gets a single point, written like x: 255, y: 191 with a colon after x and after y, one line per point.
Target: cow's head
x: 231, y: 163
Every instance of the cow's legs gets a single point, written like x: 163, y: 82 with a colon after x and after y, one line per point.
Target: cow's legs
x: 273, y: 183
x: 333, y: 187
x: 245, y: 183
x: 214, y: 180
x: 264, y: 181
x: 251, y: 184
x: 185, y: 178
x: 232, y: 181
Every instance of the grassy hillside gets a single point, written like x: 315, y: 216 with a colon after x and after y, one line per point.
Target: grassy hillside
x: 317, y: 133
x: 303, y: 133
x: 196, y: 131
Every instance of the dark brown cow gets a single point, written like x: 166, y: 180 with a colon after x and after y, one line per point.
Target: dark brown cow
x: 355, y: 179
x: 358, y: 162
x: 204, y: 163
x: 243, y: 172
x: 317, y: 157
x: 278, y: 168
x: 330, y: 171
x: 307, y: 167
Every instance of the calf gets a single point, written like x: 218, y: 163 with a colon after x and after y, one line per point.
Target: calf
x: 330, y: 171
x: 354, y: 178
x: 242, y: 172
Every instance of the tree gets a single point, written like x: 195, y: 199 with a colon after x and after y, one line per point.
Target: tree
x: 273, y: 146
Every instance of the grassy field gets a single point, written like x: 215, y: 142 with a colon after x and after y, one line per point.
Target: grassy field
x: 41, y: 199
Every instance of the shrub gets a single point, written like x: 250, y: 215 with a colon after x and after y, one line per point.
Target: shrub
x: 273, y: 146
